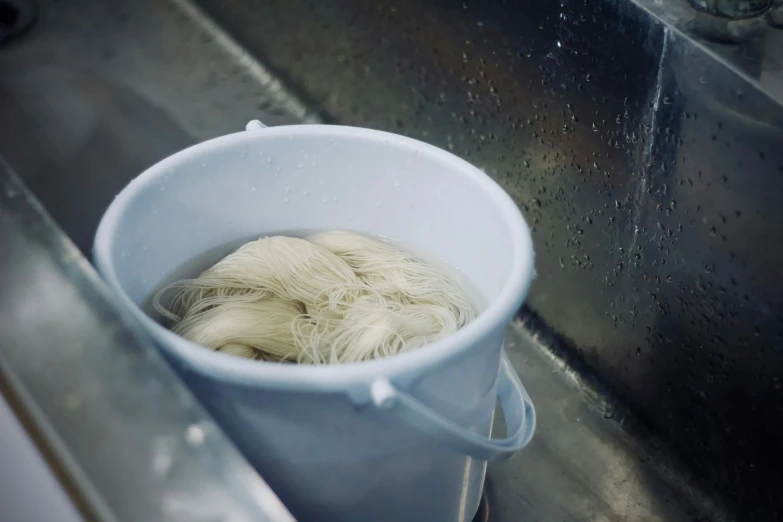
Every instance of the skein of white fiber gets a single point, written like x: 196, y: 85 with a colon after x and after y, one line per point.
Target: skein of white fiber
x: 392, y: 271
x: 337, y: 297
x: 237, y: 327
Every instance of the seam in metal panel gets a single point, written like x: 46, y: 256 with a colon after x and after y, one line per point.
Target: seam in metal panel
x: 278, y: 92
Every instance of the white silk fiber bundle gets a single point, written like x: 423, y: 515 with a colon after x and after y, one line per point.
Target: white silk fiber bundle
x: 335, y: 297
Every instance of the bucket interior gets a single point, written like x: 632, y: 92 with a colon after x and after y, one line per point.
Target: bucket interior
x: 263, y: 182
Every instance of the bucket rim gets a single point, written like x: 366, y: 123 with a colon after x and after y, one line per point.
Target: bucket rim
x: 327, y: 377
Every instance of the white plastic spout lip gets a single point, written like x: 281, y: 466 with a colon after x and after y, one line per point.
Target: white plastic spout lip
x: 254, y: 125
x: 383, y: 394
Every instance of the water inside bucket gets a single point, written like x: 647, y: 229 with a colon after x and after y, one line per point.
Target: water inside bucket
x: 197, y: 264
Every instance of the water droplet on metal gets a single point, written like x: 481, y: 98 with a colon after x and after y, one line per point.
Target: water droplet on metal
x: 194, y: 435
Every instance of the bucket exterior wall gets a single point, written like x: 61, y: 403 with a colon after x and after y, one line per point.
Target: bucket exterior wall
x: 329, y: 460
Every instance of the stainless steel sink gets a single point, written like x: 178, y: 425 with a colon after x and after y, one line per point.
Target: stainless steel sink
x: 78, y: 138
x: 96, y: 91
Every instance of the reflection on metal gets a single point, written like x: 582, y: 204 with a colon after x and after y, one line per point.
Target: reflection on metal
x: 757, y: 59
x: 647, y: 160
x: 105, y: 409
x: 733, y: 8
x: 582, y: 464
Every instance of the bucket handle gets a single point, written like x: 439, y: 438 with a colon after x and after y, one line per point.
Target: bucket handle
x: 517, y: 407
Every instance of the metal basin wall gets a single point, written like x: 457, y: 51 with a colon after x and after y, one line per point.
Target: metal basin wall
x: 651, y: 172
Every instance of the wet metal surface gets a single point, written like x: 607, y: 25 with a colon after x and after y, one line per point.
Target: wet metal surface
x: 125, y: 438
x: 648, y: 164
x: 582, y: 465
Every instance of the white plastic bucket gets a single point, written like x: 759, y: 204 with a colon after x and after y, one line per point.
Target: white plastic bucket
x: 398, y: 439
